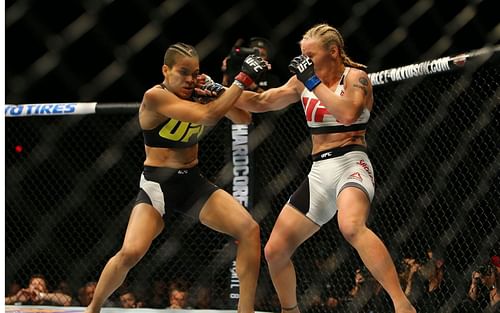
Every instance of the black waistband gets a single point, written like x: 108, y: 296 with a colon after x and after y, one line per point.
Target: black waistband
x: 337, y: 129
x: 160, y: 174
x: 336, y: 152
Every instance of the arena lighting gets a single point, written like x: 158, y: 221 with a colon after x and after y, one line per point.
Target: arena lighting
x: 19, y: 148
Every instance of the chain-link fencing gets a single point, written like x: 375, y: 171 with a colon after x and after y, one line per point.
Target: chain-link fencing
x: 433, y: 141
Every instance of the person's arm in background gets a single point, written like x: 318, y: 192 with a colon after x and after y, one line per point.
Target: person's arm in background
x: 26, y: 294
x: 58, y: 298
x: 473, y: 288
x: 21, y: 296
x: 409, y: 283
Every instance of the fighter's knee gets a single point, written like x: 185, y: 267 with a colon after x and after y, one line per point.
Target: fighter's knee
x: 269, y: 253
x: 273, y: 253
x: 251, y: 230
x: 129, y: 257
x: 249, y: 234
x: 351, y: 230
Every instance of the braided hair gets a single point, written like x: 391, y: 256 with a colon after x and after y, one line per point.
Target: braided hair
x: 330, y: 36
x: 178, y: 49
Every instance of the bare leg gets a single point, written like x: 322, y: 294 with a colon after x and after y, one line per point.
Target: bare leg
x: 145, y: 224
x: 224, y: 214
x: 352, y: 215
x: 292, y: 228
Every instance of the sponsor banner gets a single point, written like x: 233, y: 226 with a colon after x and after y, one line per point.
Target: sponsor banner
x: 241, y: 191
x: 49, y: 109
x: 411, y: 71
x: 433, y: 66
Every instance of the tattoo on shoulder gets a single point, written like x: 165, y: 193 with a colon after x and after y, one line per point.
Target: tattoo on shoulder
x: 363, y: 81
x: 365, y: 90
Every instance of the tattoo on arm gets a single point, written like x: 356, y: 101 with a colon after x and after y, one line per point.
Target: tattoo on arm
x: 364, y: 84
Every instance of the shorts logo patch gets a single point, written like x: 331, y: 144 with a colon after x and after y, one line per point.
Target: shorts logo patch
x: 326, y: 155
x: 365, y: 166
x: 356, y: 176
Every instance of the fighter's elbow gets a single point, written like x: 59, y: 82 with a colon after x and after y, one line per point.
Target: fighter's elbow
x: 210, y: 118
x: 350, y: 116
x: 245, y: 119
x: 240, y: 117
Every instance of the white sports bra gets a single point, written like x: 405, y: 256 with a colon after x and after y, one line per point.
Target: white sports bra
x: 320, y: 121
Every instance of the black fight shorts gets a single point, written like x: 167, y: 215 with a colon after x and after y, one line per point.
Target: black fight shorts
x: 171, y: 190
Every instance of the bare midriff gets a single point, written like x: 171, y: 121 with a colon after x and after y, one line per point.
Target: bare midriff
x: 172, y: 158
x: 323, y: 142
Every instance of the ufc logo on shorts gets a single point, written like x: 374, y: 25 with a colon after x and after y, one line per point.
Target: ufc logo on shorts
x: 304, y: 64
x: 314, y: 110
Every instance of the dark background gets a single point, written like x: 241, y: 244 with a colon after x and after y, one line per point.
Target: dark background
x: 434, y: 141
x: 59, y: 51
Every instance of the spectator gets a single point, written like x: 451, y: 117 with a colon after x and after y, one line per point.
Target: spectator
x: 313, y: 301
x: 158, y: 299
x: 178, y: 295
x: 495, y: 296
x: 64, y: 287
x: 38, y: 293
x: 203, y: 298
x: 482, y: 293
x: 413, y: 283
x: 437, y: 287
x: 12, y: 288
x: 86, y: 293
x: 232, y: 63
x: 332, y: 303
x: 366, y: 294
x: 128, y: 299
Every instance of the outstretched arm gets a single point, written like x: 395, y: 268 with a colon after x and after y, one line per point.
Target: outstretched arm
x: 239, y: 116
x: 168, y: 104
x: 272, y: 99
x: 210, y: 89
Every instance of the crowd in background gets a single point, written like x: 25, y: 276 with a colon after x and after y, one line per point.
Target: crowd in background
x: 426, y: 280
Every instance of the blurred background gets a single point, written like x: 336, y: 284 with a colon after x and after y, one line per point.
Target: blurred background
x: 433, y: 140
x: 113, y: 50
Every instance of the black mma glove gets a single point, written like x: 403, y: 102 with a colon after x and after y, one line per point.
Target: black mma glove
x: 215, y: 88
x: 207, y: 89
x: 303, y: 67
x: 253, y: 66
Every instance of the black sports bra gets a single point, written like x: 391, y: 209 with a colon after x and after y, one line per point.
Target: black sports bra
x: 173, y: 133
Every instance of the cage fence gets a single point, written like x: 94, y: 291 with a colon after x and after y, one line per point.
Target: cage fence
x: 433, y: 140
x: 433, y: 143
